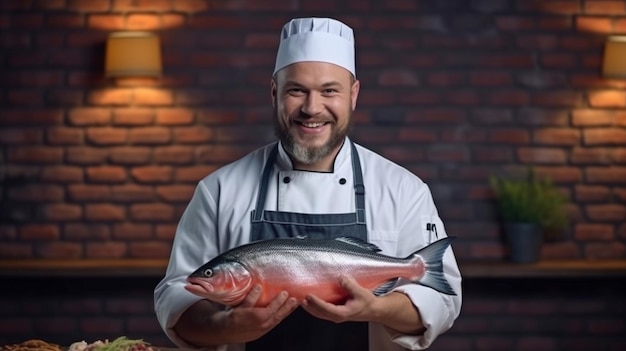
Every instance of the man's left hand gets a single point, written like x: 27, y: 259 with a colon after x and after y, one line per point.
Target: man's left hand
x: 359, y: 307
x: 393, y: 310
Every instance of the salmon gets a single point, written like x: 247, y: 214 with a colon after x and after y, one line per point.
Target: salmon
x: 306, y: 266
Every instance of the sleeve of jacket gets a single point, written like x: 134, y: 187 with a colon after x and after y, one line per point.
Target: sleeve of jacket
x: 194, y: 242
x: 437, y: 310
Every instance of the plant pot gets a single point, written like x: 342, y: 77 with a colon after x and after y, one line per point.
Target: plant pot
x: 524, y: 241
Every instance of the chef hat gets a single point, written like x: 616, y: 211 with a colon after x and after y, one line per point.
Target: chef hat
x: 316, y: 39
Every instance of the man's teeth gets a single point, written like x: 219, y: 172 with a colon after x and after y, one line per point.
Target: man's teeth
x: 313, y: 125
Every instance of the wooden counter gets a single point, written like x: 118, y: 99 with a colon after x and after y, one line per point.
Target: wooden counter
x: 156, y: 268
x: 84, y: 267
x: 556, y: 269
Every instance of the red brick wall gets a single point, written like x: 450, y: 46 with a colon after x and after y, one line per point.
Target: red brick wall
x: 453, y: 90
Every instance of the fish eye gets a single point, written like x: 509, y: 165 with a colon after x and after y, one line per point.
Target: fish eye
x: 208, y: 273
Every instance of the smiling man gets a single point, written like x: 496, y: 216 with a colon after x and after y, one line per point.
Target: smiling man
x: 314, y: 102
x: 313, y: 182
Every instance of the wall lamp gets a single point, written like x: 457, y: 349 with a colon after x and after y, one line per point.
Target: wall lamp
x: 133, y: 54
x: 614, y: 63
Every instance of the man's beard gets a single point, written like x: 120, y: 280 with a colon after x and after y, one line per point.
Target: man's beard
x: 309, y: 155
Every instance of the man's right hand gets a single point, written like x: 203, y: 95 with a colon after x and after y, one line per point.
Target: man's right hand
x: 202, y: 325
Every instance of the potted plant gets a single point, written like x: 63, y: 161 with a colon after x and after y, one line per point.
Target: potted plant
x: 529, y: 207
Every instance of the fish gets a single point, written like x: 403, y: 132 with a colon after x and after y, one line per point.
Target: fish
x: 304, y: 266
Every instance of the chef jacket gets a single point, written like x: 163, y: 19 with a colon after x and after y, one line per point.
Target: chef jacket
x: 401, y: 219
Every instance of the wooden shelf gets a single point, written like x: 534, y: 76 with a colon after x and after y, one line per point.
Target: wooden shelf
x: 547, y: 269
x: 83, y: 268
x: 156, y: 268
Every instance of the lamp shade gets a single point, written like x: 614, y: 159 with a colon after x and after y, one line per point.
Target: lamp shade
x: 133, y: 54
x: 614, y: 64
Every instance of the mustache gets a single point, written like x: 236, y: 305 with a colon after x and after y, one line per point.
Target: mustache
x: 302, y: 116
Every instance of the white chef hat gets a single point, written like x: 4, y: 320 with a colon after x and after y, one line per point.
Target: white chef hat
x: 316, y: 39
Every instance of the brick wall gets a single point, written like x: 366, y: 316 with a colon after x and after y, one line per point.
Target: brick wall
x: 453, y: 90
x: 79, y: 308
x: 498, y: 314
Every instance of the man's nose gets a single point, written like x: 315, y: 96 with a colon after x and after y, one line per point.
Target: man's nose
x: 313, y: 104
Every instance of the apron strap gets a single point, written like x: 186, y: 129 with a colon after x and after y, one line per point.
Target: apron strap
x: 359, y: 186
x: 265, y: 178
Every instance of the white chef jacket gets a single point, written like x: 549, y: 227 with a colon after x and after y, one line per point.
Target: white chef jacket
x: 398, y: 205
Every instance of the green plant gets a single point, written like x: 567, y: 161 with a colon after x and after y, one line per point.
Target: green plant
x: 530, y: 200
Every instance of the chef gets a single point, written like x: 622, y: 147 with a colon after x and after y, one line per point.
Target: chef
x: 315, y: 182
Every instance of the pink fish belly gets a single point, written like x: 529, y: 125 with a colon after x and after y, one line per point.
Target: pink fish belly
x: 324, y: 283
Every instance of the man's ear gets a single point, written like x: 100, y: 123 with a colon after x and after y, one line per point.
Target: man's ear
x: 356, y: 87
x: 273, y: 91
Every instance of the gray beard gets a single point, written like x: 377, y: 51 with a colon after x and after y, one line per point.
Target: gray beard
x: 306, y: 155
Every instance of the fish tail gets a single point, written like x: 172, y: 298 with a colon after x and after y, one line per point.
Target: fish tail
x: 433, y: 266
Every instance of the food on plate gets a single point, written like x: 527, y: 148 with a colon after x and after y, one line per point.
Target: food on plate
x: 120, y: 344
x: 31, y: 345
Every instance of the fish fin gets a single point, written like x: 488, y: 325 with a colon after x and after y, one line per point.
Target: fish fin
x: 385, y: 287
x: 358, y: 242
x: 433, y: 261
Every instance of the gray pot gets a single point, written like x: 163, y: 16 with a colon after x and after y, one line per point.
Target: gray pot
x: 524, y: 241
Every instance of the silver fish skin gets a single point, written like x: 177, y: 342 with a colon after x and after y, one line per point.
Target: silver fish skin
x: 304, y: 266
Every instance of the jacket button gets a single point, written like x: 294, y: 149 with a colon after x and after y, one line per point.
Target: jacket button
x: 286, y: 180
x: 342, y: 181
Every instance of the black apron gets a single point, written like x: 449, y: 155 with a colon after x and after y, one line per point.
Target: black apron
x: 300, y: 331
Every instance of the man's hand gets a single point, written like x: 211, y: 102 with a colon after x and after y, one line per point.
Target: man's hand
x: 254, y: 322
x: 394, y: 310
x: 358, y: 308
x: 202, y: 325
